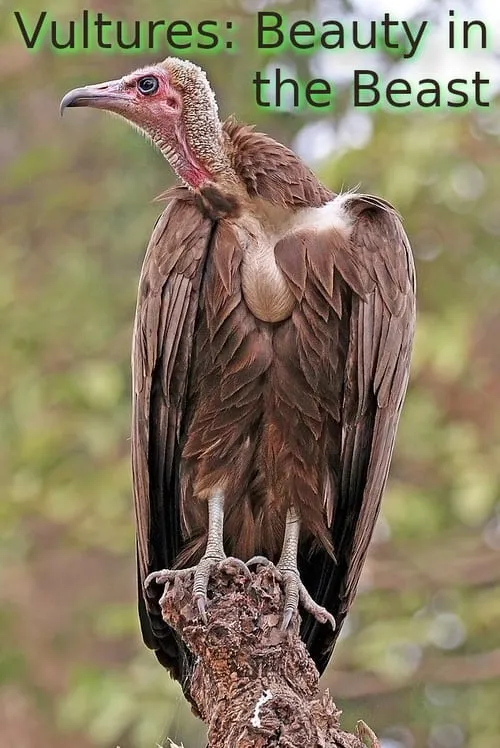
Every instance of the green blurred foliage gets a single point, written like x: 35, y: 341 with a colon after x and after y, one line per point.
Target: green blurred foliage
x: 420, y: 657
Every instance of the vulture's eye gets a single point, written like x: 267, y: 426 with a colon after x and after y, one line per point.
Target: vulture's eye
x: 147, y: 85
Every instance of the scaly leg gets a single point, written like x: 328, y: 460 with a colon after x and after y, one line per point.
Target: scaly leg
x: 288, y: 573
x: 214, y: 557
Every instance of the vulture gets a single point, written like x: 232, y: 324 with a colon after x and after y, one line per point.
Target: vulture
x: 270, y: 361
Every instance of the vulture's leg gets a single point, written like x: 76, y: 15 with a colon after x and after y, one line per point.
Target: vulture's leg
x: 294, y: 588
x: 214, y: 557
x: 288, y: 573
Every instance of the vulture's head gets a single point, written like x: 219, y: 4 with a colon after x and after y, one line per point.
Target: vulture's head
x: 173, y: 104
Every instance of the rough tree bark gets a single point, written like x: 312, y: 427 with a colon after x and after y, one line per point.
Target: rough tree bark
x: 254, y: 685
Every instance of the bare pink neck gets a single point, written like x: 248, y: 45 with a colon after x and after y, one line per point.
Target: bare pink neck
x: 184, y: 161
x: 194, y: 175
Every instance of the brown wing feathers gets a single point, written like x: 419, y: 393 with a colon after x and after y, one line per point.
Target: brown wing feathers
x: 166, y: 312
x: 378, y: 319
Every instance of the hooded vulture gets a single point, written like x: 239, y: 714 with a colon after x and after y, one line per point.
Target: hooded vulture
x: 270, y: 360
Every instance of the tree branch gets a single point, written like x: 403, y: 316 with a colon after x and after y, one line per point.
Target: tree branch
x: 253, y: 684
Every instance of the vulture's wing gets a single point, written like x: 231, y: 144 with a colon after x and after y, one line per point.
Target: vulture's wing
x: 370, y: 287
x: 166, y: 312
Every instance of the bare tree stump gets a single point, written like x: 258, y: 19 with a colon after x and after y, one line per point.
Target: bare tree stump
x: 253, y: 684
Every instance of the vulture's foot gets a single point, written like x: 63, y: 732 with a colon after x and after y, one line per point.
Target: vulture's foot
x: 202, y: 572
x: 214, y: 558
x: 295, y: 592
x: 205, y: 568
x: 166, y: 577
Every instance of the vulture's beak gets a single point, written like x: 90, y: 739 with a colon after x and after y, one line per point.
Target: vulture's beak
x: 108, y: 95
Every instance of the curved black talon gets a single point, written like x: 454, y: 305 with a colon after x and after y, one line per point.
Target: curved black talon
x: 201, y: 601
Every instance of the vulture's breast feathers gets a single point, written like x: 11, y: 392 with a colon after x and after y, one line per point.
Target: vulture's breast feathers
x: 278, y: 245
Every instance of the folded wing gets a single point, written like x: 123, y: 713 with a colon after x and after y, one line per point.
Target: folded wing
x: 165, y: 318
x: 363, y: 341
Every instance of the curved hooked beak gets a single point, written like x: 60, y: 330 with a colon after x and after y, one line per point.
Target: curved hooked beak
x: 99, y: 96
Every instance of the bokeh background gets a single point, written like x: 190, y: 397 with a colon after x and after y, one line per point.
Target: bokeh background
x: 419, y: 659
